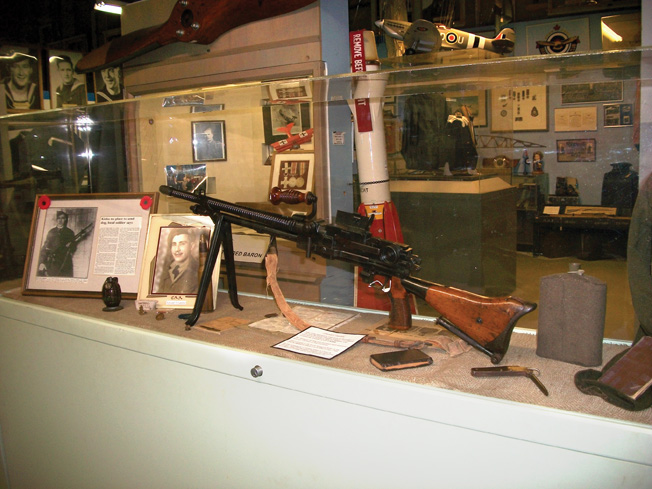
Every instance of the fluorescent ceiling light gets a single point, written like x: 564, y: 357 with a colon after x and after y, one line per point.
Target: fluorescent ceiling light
x: 112, y: 7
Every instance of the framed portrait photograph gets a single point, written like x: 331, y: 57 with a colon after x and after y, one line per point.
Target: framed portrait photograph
x: 208, y: 141
x: 474, y: 100
x: 519, y: 109
x: 293, y: 171
x: 172, y: 265
x: 67, y: 87
x: 20, y: 69
x: 280, y: 121
x: 570, y: 150
x: 78, y: 240
x: 109, y: 85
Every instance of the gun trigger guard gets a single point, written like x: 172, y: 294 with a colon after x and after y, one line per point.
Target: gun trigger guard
x: 385, y: 287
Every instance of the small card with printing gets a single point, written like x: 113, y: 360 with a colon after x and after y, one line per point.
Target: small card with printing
x: 319, y: 342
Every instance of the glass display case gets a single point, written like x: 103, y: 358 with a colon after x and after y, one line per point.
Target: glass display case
x: 457, y: 185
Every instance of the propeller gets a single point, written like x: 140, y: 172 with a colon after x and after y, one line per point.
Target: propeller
x: 195, y: 21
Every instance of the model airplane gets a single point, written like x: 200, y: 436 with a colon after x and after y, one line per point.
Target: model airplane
x: 292, y: 141
x: 195, y: 21
x: 423, y: 36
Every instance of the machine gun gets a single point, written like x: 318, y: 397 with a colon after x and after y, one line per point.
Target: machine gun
x: 483, y: 322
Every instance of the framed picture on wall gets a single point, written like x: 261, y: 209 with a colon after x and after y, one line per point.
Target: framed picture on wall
x: 281, y: 121
x: 20, y: 68
x: 79, y: 240
x: 67, y: 88
x: 618, y: 115
x: 582, y: 93
x: 519, y: 109
x: 474, y: 100
x: 569, y: 119
x: 290, y: 90
x: 208, y: 141
x: 293, y: 171
x: 189, y: 178
x: 570, y: 150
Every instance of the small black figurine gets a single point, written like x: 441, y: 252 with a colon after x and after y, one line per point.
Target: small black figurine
x: 111, y: 294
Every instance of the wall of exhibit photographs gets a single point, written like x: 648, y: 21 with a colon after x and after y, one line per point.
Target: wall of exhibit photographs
x: 35, y: 79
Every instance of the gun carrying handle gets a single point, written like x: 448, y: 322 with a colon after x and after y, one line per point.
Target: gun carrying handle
x: 276, y: 196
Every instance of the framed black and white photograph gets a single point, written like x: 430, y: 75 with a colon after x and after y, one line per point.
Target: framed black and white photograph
x: 572, y: 150
x: 618, y: 115
x: 280, y: 121
x: 189, y: 178
x: 582, y: 93
x: 67, y: 87
x: 20, y: 69
x: 78, y: 240
x: 208, y: 141
x: 171, y: 268
x: 290, y: 90
x: 109, y: 85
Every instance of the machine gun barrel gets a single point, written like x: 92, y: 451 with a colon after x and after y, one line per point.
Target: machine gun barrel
x: 266, y: 220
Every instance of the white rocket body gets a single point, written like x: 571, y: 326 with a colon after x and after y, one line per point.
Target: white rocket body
x: 370, y: 146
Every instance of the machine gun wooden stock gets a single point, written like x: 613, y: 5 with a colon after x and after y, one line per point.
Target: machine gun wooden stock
x: 485, y: 323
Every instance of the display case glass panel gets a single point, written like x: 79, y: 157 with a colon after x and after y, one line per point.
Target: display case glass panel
x: 460, y: 136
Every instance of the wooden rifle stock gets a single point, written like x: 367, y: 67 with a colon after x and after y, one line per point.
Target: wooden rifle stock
x: 486, y: 323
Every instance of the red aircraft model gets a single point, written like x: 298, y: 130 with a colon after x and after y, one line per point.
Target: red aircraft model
x: 292, y: 141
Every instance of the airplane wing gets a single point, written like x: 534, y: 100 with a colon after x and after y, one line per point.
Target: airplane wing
x: 395, y: 29
x: 197, y: 21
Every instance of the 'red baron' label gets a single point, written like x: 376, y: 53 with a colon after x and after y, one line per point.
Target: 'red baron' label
x: 358, y: 63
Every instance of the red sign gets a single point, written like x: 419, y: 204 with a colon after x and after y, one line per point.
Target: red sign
x: 358, y: 63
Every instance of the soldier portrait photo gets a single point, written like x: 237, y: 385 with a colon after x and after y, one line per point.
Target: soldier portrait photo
x: 65, y: 251
x: 20, y: 72
x: 177, y: 261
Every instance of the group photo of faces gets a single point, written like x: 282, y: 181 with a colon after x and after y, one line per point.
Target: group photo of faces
x: 29, y: 75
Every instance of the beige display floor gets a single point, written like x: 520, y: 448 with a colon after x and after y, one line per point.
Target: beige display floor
x: 446, y: 372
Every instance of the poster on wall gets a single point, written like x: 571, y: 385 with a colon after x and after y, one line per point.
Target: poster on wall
x: 570, y: 150
x: 576, y: 119
x: 565, y: 36
x: 582, y: 93
x: 618, y: 115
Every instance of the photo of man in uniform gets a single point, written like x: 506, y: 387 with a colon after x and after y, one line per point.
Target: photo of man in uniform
x: 70, y: 90
x: 178, y: 272
x: 59, y: 247
x: 20, y: 76
x: 110, y: 86
x: 208, y: 141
